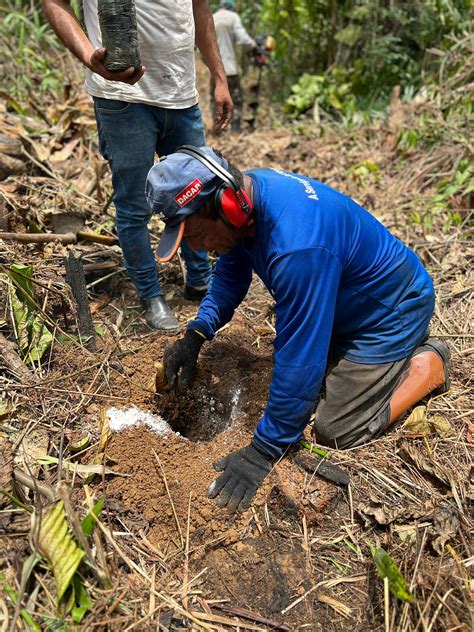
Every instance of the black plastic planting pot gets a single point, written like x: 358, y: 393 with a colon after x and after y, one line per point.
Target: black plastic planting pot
x: 118, y: 24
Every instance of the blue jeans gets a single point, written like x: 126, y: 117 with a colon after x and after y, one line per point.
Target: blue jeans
x: 129, y: 136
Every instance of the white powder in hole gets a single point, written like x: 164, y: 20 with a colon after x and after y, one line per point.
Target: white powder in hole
x: 123, y: 418
x: 235, y: 400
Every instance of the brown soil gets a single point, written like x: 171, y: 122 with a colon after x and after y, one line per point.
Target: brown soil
x: 251, y: 559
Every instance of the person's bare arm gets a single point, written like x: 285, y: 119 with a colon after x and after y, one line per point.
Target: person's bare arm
x: 61, y: 17
x: 207, y: 44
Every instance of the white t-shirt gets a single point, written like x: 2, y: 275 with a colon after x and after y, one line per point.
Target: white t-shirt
x: 166, y: 45
x: 230, y: 32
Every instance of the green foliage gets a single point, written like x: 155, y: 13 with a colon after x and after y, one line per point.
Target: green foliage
x: 30, y: 50
x: 449, y: 189
x: 378, y: 44
x: 31, y: 332
x: 364, y: 171
x: 444, y: 117
x: 386, y: 567
x: 57, y: 546
x: 332, y: 92
x: 80, y: 597
x: 88, y: 523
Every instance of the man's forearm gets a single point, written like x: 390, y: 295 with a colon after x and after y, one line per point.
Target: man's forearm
x: 61, y: 17
x: 206, y: 40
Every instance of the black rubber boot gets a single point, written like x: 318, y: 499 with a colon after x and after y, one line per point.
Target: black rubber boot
x: 158, y: 315
x: 194, y: 293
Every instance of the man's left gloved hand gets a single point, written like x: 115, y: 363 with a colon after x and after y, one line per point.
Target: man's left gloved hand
x: 180, y: 359
x: 243, y: 473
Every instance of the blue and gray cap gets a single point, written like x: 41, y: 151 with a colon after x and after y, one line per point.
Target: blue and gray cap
x: 177, y: 186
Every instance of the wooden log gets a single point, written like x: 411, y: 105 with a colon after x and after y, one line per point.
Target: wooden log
x: 13, y: 362
x: 252, y: 616
x: 39, y: 238
x: 76, y: 279
x: 322, y: 467
x: 100, y: 265
x: 64, y: 238
x: 10, y: 166
x: 3, y: 215
x: 10, y: 145
x: 108, y: 240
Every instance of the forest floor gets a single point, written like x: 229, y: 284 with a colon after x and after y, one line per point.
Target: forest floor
x: 163, y: 556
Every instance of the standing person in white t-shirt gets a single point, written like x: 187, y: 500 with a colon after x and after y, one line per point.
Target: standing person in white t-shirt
x: 230, y: 32
x: 145, y: 111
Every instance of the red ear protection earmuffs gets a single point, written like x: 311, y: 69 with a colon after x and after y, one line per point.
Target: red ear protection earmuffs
x: 231, y: 202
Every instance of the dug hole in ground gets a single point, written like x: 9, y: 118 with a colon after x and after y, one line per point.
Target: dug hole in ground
x: 259, y: 561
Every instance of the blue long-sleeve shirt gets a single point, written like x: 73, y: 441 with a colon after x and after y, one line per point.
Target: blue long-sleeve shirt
x: 337, y: 276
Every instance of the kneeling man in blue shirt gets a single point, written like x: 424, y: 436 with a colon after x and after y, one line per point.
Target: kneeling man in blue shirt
x: 352, y: 304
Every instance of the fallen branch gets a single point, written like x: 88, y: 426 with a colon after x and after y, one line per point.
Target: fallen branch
x: 64, y: 238
x: 34, y: 484
x: 321, y: 467
x: 108, y: 240
x: 39, y: 238
x: 13, y: 361
x: 10, y: 166
x: 75, y: 278
x: 251, y: 616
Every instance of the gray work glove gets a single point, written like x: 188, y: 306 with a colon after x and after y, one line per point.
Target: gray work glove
x: 180, y: 359
x: 243, y: 473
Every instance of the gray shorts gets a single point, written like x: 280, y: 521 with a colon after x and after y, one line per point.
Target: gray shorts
x: 354, y: 406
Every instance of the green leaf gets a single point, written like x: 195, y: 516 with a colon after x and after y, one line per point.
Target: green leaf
x: 386, y: 567
x: 20, y: 317
x: 66, y: 339
x: 313, y: 448
x: 78, y: 468
x: 355, y: 549
x: 57, y: 546
x: 88, y: 523
x: 41, y: 339
x: 21, y: 275
x: 81, y: 597
x: 99, y: 330
x: 28, y: 566
x: 470, y: 187
x: 13, y: 103
x: 30, y: 329
x: 349, y: 35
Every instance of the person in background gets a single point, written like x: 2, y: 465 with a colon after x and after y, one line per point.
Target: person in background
x: 230, y: 33
x: 147, y: 111
x: 352, y: 303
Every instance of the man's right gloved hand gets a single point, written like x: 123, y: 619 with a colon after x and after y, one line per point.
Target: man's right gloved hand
x: 180, y: 359
x: 243, y: 472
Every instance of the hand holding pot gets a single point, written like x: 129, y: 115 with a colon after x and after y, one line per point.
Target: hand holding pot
x: 130, y: 75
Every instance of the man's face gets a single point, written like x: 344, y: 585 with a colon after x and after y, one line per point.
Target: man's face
x: 207, y: 233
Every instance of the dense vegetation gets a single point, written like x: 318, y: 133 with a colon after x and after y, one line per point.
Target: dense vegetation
x: 346, y: 54
x: 359, y: 48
